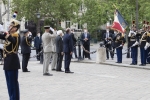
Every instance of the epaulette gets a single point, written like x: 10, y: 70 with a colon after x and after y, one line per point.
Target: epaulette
x: 15, y: 34
x: 148, y: 34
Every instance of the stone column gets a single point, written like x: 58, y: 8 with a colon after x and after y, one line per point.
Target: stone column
x: 101, y: 55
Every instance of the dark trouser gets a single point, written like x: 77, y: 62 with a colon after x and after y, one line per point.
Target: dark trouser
x: 67, y: 61
x: 41, y: 58
x: 108, y: 49
x: 59, y: 62
x: 12, y: 84
x: 75, y: 52
x: 85, y: 54
x: 119, y: 54
x: 143, y: 55
x: 148, y: 58
x: 37, y: 52
x: 134, y: 54
x: 25, y: 59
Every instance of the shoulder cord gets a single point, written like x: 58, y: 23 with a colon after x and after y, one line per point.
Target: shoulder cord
x: 28, y: 43
x: 13, y: 49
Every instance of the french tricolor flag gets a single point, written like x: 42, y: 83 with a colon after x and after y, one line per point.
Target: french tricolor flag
x: 119, y: 23
x: 15, y: 14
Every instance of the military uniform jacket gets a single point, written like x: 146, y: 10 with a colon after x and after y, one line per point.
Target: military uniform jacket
x: 11, y: 59
x: 143, y: 40
x: 48, y: 42
x: 119, y: 40
x: 26, y: 44
x: 132, y: 39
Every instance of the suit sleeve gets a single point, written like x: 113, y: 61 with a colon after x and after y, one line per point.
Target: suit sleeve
x: 52, y: 35
x: 74, y: 39
x: 35, y: 42
x: 89, y: 37
x: 70, y: 44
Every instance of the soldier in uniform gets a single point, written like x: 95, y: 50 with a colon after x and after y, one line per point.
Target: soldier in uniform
x: 143, y: 39
x: 133, y: 43
x: 11, y: 59
x: 147, y: 46
x: 119, y: 42
x: 26, y: 49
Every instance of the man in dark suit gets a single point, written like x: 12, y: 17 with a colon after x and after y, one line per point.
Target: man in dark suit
x: 85, y: 38
x: 108, y: 39
x: 74, y: 43
x: 59, y: 50
x: 37, y: 45
x: 26, y: 49
x: 67, y: 49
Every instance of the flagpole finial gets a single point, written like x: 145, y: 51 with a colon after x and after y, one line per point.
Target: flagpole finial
x: 114, y: 6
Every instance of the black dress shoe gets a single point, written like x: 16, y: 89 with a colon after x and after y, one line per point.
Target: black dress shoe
x: 89, y: 58
x: 117, y: 62
x: 68, y: 72
x: 53, y: 69
x: 107, y: 59
x: 132, y: 64
x: 59, y: 71
x: 142, y: 65
x: 47, y: 74
x: 26, y: 71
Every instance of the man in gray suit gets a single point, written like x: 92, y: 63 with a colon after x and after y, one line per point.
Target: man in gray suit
x: 59, y: 50
x: 48, y: 49
x: 54, y: 56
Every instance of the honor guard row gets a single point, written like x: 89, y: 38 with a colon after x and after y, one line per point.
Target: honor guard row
x: 141, y: 39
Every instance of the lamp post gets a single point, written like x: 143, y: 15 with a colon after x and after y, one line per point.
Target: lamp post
x: 38, y: 22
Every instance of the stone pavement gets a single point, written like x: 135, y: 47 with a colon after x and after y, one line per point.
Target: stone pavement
x: 89, y: 82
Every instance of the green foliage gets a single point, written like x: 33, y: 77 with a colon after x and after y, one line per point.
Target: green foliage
x: 98, y: 12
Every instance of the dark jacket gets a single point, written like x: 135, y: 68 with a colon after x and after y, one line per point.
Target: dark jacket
x: 119, y: 40
x: 83, y: 37
x: 67, y: 43
x: 37, y: 42
x: 59, y: 44
x: 73, y: 39
x: 26, y: 44
x: 143, y: 40
x: 11, y: 61
x: 104, y: 36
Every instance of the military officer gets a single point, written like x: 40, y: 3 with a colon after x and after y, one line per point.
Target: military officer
x: 119, y: 42
x: 143, y: 39
x: 147, y: 46
x: 133, y: 43
x: 11, y: 59
x: 26, y: 49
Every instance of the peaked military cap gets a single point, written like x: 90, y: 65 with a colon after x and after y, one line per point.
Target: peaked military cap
x: 25, y: 31
x: 15, y: 23
x: 46, y: 27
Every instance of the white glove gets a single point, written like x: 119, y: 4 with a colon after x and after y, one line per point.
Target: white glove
x: 51, y: 29
x: 121, y: 45
x: 136, y: 43
x: 29, y: 34
x: 145, y: 47
x: 130, y: 33
x: 147, y: 44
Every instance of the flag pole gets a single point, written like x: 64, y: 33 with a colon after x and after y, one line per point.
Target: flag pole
x: 114, y: 6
